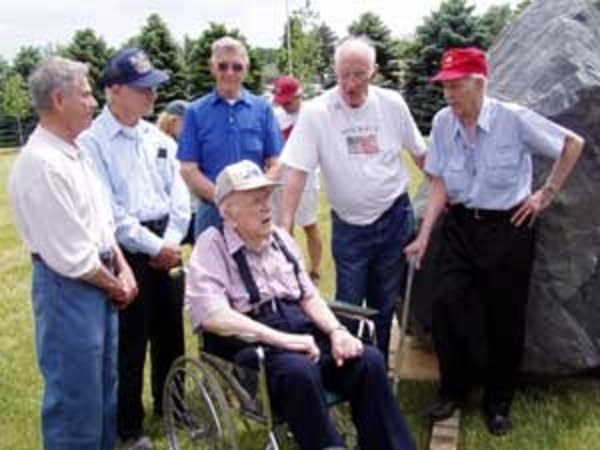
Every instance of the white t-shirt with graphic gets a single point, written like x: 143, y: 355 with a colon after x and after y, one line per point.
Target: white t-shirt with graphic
x: 358, y: 150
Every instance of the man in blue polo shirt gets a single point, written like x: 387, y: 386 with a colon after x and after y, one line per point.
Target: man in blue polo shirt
x: 225, y: 126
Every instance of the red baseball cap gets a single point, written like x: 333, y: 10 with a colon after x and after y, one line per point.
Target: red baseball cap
x: 461, y: 62
x: 286, y: 89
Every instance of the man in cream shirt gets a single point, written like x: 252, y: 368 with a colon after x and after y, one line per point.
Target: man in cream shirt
x: 80, y: 277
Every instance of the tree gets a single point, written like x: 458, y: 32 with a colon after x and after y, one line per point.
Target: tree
x: 521, y: 7
x: 198, y: 59
x: 15, y: 102
x: 91, y: 49
x: 4, y: 71
x: 453, y: 25
x: 165, y: 54
x: 303, y: 48
x: 326, y: 40
x: 371, y: 25
x: 494, y: 20
x: 26, y: 59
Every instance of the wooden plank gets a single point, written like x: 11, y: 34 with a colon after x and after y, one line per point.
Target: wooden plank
x: 445, y: 433
x: 418, y: 363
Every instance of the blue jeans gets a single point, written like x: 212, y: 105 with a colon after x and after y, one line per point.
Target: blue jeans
x: 207, y: 216
x: 76, y: 343
x: 370, y: 263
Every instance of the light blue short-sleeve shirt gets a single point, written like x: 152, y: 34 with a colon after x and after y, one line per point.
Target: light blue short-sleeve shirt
x: 495, y: 170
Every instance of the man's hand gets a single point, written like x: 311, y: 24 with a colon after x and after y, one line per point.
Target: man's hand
x: 344, y: 346
x: 302, y: 343
x: 532, y: 207
x: 416, y: 250
x: 126, y: 277
x: 168, y: 257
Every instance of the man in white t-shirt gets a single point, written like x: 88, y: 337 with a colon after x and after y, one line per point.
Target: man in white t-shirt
x: 288, y: 98
x: 355, y: 132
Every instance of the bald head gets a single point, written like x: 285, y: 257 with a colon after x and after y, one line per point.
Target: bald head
x: 355, y: 47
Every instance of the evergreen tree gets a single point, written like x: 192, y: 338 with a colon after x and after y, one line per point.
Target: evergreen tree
x: 494, y: 20
x: 453, y: 25
x: 15, y: 102
x: 326, y: 40
x: 26, y: 59
x: 371, y: 25
x: 165, y: 54
x: 91, y: 49
x: 198, y: 61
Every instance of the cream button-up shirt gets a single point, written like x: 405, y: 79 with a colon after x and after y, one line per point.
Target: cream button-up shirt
x: 60, y: 207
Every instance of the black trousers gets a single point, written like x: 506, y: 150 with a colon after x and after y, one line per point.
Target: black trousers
x: 486, y: 266
x: 156, y: 317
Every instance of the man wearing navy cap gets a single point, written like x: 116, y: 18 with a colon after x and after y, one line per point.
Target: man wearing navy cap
x: 152, y: 215
x: 480, y: 163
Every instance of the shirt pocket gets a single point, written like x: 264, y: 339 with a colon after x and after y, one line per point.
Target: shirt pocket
x: 456, y: 178
x: 503, y: 166
x: 251, y: 138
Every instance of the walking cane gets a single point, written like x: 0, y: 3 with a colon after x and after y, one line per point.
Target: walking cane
x: 401, y: 349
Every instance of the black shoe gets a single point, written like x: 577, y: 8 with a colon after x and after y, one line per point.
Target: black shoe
x: 498, y: 424
x: 442, y: 409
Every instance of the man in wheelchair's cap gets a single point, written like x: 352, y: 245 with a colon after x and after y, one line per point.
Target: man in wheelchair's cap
x: 247, y: 279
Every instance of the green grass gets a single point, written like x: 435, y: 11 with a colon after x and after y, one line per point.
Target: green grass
x: 563, y: 415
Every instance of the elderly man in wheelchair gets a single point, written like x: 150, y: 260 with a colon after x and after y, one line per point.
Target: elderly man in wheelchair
x: 246, y: 280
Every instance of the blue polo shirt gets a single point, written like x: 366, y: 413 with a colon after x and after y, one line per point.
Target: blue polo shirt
x: 495, y: 170
x: 217, y: 132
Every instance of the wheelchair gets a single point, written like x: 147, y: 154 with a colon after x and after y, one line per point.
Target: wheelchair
x: 207, y: 400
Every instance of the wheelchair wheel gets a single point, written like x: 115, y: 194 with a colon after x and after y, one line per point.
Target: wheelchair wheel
x: 196, y: 414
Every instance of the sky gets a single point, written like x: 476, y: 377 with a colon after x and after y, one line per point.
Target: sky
x: 42, y: 22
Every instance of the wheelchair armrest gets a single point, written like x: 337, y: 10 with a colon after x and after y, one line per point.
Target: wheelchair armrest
x: 351, y: 311
x: 362, y: 315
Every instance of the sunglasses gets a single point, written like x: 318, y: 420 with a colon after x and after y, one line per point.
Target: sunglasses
x: 225, y: 66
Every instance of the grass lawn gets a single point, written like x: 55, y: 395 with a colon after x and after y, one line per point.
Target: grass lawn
x: 563, y: 415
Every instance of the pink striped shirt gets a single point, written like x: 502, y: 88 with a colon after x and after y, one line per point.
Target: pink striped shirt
x: 213, y: 281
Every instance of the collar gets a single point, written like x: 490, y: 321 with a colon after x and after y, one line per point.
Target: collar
x: 57, y: 142
x: 114, y: 127
x: 244, y: 97
x: 233, y: 241
x: 484, y: 120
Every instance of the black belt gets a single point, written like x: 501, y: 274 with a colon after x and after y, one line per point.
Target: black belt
x: 107, y: 259
x: 157, y: 226
x: 460, y: 210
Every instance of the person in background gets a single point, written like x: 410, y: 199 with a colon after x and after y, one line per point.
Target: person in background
x: 80, y: 278
x: 355, y: 132
x: 227, y: 125
x: 288, y: 97
x: 170, y: 122
x: 480, y: 162
x: 151, y: 205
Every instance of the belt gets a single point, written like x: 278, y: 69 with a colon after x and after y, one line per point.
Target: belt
x: 460, y: 210
x: 107, y: 258
x: 157, y: 226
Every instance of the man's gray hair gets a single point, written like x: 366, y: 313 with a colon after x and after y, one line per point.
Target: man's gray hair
x: 360, y: 43
x: 229, y: 44
x: 51, y: 74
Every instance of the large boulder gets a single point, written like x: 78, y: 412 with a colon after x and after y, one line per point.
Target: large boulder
x: 549, y: 61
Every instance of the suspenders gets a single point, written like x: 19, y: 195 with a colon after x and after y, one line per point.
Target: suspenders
x: 240, y: 259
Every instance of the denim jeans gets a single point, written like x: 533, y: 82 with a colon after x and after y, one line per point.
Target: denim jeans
x: 207, y: 216
x: 76, y: 343
x: 370, y: 263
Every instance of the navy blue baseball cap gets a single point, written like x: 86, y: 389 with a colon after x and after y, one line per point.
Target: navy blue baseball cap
x: 132, y: 67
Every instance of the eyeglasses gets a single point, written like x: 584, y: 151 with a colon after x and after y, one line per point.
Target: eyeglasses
x: 225, y: 66
x: 360, y: 76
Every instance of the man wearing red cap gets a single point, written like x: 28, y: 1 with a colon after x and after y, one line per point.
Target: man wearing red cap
x: 288, y: 98
x: 480, y: 162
